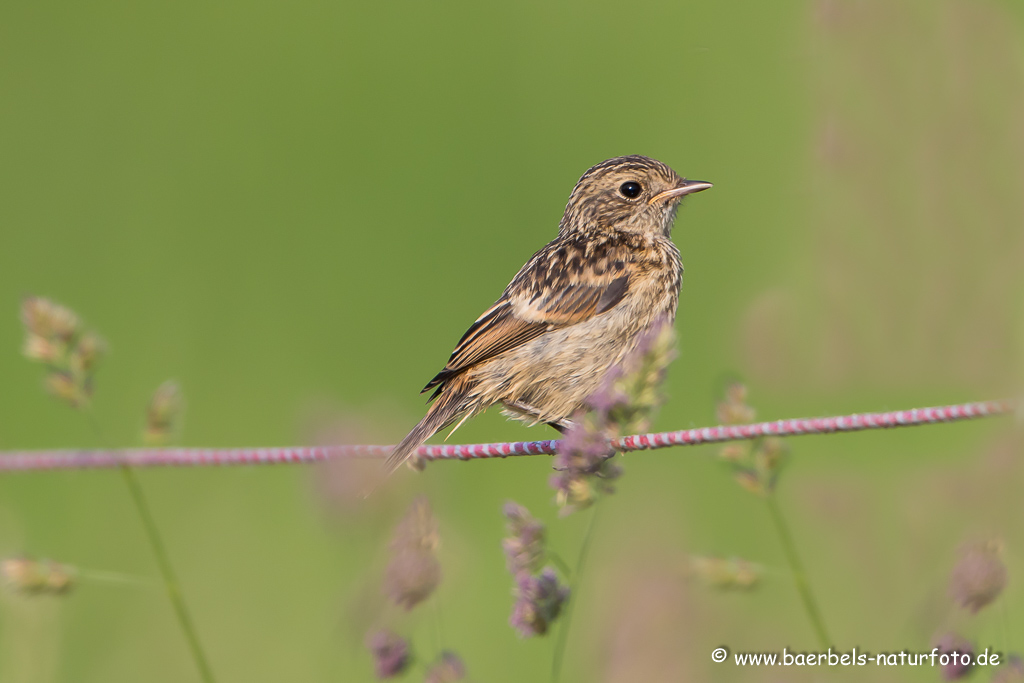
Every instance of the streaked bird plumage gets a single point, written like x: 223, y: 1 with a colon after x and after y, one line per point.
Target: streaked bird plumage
x: 574, y: 310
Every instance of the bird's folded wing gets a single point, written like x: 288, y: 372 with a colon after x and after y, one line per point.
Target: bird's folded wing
x: 547, y: 294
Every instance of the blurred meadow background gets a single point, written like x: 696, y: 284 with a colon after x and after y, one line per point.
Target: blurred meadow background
x: 296, y: 209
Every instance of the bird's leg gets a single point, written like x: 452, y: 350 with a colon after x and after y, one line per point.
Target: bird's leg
x: 562, y: 425
x: 527, y: 410
x: 523, y: 409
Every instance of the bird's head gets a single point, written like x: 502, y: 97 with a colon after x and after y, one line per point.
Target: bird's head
x: 627, y: 194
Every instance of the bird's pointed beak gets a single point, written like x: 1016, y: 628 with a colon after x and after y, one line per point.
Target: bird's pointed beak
x: 685, y: 188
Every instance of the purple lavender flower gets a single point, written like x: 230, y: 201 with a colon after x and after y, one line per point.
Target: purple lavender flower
x: 414, y: 572
x: 624, y: 403
x: 979, y: 576
x: 390, y: 654
x: 609, y: 396
x: 539, y: 601
x: 584, y: 464
x: 539, y: 597
x: 639, y: 379
x: 524, y: 546
x: 447, y: 669
x: 584, y: 447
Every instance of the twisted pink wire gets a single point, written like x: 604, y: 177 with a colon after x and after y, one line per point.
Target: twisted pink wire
x: 18, y: 461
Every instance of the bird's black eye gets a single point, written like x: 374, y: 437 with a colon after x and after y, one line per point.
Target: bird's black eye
x: 630, y: 189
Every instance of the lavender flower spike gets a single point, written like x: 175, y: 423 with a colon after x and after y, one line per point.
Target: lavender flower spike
x: 625, y: 401
x: 524, y: 546
x: 539, y: 602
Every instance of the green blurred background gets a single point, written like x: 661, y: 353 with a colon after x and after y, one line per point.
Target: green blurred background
x: 295, y: 209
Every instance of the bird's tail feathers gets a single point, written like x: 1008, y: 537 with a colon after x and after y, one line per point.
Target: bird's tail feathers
x: 448, y: 408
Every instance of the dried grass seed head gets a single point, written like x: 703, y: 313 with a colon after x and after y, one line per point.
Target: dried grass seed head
x: 37, y: 577
x: 979, y: 576
x: 164, y: 414
x: 414, y: 572
x: 724, y: 573
x: 733, y: 408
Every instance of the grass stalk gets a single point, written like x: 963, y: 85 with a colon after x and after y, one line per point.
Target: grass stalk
x: 163, y: 561
x: 803, y: 586
x: 170, y: 581
x: 438, y: 626
x: 562, y: 565
x: 574, y: 586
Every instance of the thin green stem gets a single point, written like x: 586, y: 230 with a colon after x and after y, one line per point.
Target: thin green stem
x: 803, y: 587
x: 170, y: 581
x: 438, y: 627
x: 114, y: 577
x: 1004, y: 625
x: 574, y: 586
x: 562, y: 565
x: 162, y: 559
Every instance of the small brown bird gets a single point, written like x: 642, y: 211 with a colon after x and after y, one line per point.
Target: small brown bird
x: 574, y: 310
